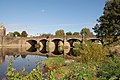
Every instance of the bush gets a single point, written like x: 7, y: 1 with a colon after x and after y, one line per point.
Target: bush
x: 79, y: 72
x: 91, y: 52
x: 54, y: 63
x: 109, y: 70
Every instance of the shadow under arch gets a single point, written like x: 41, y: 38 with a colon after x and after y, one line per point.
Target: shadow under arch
x: 71, y: 41
x: 56, y: 51
x: 32, y: 48
x: 44, y: 41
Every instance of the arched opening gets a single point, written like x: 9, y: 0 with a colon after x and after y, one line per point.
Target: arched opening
x: 32, y: 42
x: 43, y: 41
x: 57, y: 51
x: 32, y: 48
x: 71, y: 41
x: 74, y: 45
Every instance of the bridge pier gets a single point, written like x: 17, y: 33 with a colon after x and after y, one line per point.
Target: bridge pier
x: 66, y: 47
x: 51, y: 46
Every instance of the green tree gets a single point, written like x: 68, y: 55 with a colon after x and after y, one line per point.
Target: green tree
x: 10, y: 34
x: 24, y: 34
x: 86, y: 32
x: 109, y: 23
x: 60, y: 33
x: 76, y: 33
x: 16, y: 34
x: 68, y: 33
x: 46, y: 35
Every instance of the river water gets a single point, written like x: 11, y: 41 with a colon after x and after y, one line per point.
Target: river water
x: 24, y: 58
x: 19, y: 58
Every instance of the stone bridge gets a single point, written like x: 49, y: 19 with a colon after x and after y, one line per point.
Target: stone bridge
x: 44, y: 44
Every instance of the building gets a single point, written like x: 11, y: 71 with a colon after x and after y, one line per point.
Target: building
x: 2, y: 30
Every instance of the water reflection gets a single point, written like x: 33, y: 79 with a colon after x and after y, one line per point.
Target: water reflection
x: 26, y: 58
x: 21, y: 58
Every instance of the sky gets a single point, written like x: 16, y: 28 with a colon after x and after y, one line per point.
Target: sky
x: 47, y: 16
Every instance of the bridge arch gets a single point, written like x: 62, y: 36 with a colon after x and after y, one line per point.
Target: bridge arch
x: 71, y: 41
x: 33, y: 43
x: 56, y: 50
x: 43, y: 41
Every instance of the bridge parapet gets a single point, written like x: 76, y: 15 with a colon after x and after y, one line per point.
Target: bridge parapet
x: 78, y: 37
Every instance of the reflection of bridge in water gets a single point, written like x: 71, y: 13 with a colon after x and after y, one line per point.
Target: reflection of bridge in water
x: 45, y: 45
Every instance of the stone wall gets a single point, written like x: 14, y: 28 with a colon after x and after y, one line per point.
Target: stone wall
x: 9, y: 41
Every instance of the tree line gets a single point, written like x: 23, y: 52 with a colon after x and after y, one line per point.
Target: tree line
x: 84, y: 31
x: 17, y: 34
x: 61, y: 32
x: 107, y: 29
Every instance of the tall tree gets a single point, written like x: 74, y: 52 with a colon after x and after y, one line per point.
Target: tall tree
x: 24, y: 34
x: 60, y: 33
x: 86, y: 32
x: 109, y: 23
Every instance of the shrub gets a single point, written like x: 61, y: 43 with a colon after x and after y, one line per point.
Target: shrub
x: 79, y: 72
x: 54, y: 63
x: 91, y: 52
x: 109, y: 70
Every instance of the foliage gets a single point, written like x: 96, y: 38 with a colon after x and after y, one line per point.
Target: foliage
x: 109, y: 23
x: 24, y: 34
x: 47, y: 35
x: 60, y: 46
x: 10, y: 34
x: 52, y: 73
x: 59, y: 33
x: 79, y: 72
x: 86, y: 32
x: 77, y: 44
x: 55, y: 67
x: 61, y: 72
x: 68, y: 33
x: 109, y: 70
x: 12, y: 74
x: 91, y: 52
x: 47, y: 46
x: 54, y: 63
x: 16, y: 34
x: 76, y: 33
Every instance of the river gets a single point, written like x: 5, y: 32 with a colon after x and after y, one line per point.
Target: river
x: 23, y: 58
x: 19, y: 58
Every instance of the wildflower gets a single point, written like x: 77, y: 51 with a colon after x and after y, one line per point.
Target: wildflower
x: 34, y: 69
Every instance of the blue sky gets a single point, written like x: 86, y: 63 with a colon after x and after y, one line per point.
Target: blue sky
x: 47, y: 16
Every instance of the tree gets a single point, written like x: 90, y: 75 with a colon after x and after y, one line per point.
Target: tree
x: 86, y: 32
x: 24, y: 34
x: 10, y: 34
x: 68, y: 33
x: 46, y: 35
x: 109, y: 23
x: 16, y: 34
x: 76, y: 33
x: 59, y: 33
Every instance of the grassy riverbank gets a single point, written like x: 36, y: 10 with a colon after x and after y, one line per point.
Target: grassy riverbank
x: 92, y: 62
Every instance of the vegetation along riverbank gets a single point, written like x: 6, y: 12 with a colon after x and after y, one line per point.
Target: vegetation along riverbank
x: 90, y: 61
